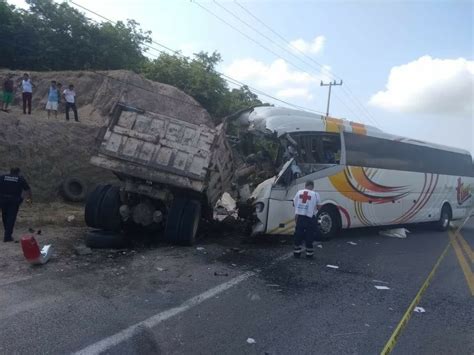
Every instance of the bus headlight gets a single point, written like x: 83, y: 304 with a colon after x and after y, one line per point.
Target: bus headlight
x: 259, y: 206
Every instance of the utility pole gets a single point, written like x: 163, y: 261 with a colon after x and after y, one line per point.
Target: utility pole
x: 330, y: 84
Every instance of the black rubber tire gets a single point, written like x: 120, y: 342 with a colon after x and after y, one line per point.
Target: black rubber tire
x: 444, y: 219
x: 91, y: 211
x: 328, y: 224
x: 100, y: 239
x: 189, y: 223
x: 173, y: 221
x: 108, y: 214
x: 73, y: 189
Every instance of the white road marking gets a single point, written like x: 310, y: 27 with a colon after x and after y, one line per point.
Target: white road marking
x: 153, y: 321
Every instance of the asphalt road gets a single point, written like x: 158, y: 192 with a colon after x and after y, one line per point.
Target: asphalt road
x: 251, y: 291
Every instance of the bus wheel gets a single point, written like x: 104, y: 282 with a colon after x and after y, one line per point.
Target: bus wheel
x: 444, y: 219
x: 328, y: 223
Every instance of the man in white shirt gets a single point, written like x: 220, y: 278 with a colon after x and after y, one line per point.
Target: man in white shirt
x: 27, y: 92
x: 306, y: 204
x: 70, y: 97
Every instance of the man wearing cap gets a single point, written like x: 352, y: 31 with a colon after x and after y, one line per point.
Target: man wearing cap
x: 12, y: 187
x: 306, y: 204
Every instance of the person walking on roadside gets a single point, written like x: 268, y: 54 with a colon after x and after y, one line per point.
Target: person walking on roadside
x: 70, y: 97
x: 53, y: 99
x: 8, y: 92
x: 27, y: 92
x: 306, y: 204
x: 12, y: 187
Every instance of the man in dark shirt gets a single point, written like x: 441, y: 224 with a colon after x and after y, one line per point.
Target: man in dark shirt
x: 11, y: 196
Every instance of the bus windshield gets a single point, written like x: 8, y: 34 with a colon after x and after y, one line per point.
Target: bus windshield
x: 316, y: 151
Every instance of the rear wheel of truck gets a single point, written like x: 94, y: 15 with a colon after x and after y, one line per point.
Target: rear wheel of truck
x: 183, y: 221
x: 92, y: 209
x: 100, y: 239
x: 190, y: 223
x: 109, y: 216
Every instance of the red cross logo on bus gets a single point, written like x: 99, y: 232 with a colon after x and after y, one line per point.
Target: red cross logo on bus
x: 305, y: 197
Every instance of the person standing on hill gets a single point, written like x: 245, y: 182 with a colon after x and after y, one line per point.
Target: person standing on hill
x: 12, y: 187
x: 306, y: 204
x: 27, y: 90
x: 53, y: 99
x: 70, y: 97
x: 8, y: 92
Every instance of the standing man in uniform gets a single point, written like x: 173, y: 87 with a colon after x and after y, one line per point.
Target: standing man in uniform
x: 11, y: 196
x: 306, y: 204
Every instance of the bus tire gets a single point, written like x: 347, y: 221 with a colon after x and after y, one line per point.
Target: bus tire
x: 328, y: 223
x: 73, y: 189
x: 444, y: 219
x: 93, y: 203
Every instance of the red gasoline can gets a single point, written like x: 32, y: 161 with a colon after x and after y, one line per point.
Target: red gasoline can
x: 30, y: 247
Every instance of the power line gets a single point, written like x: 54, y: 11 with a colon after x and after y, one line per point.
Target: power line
x: 250, y: 38
x: 347, y: 91
x: 219, y: 73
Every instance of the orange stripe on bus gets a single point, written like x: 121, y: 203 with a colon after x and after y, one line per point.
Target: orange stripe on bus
x: 358, y: 128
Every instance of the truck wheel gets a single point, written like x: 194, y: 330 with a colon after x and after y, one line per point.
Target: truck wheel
x: 109, y: 216
x: 189, y: 223
x: 73, y: 190
x: 328, y: 223
x: 100, y: 239
x: 173, y: 220
x: 91, y: 212
x: 444, y: 218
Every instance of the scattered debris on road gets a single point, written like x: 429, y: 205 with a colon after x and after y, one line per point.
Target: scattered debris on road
x: 32, y: 252
x: 395, y: 233
x: 251, y: 341
x: 332, y: 266
x: 419, y: 310
x: 382, y: 287
x: 352, y: 243
x: 380, y: 282
x: 217, y: 273
x: 82, y: 250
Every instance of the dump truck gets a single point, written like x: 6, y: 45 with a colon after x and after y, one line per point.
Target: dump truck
x: 172, y: 173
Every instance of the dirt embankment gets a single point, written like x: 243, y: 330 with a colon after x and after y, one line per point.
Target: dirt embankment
x: 49, y: 150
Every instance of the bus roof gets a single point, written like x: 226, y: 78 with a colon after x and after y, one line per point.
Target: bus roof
x: 281, y: 120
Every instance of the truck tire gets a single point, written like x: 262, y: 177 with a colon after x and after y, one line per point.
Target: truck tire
x: 189, y: 223
x: 91, y: 211
x: 109, y: 216
x: 100, y: 239
x: 173, y: 220
x: 73, y: 189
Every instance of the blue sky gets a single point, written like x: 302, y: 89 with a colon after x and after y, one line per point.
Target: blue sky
x: 423, y: 50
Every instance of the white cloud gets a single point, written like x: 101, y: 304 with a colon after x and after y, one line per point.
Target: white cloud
x: 430, y: 86
x: 315, y: 46
x: 294, y: 93
x: 276, y: 77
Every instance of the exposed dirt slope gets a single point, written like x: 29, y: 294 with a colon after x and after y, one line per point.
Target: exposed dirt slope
x: 49, y: 150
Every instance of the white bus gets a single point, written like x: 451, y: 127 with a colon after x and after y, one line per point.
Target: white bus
x: 365, y: 177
